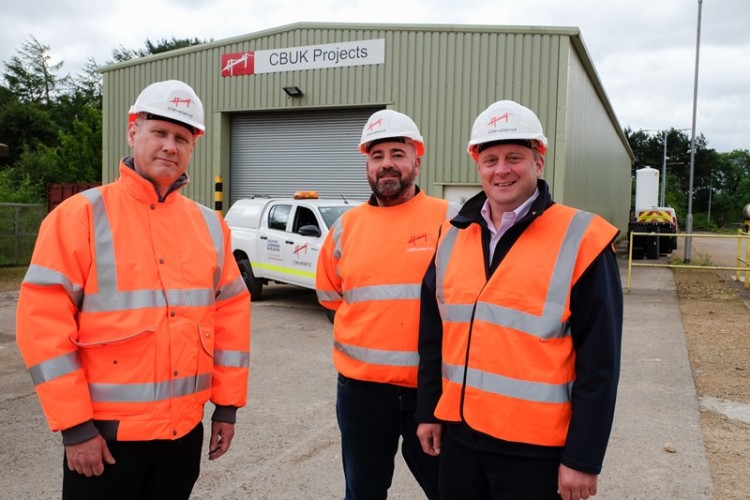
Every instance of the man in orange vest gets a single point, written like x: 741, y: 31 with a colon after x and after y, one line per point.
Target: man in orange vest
x: 369, y: 272
x: 133, y: 315
x: 520, y: 330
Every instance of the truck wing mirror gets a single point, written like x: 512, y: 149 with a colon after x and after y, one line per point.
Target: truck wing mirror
x: 310, y: 230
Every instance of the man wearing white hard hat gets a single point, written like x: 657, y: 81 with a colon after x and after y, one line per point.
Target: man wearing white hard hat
x: 133, y: 315
x: 520, y: 330
x: 369, y: 272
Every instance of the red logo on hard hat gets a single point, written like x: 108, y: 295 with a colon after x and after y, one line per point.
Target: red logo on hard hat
x: 238, y: 64
x: 375, y: 124
x: 504, y: 117
x: 177, y: 101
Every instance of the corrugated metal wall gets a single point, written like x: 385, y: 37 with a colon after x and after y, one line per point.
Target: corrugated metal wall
x: 596, y: 176
x: 443, y: 76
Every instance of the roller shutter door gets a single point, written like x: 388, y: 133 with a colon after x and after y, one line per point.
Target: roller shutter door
x: 278, y: 153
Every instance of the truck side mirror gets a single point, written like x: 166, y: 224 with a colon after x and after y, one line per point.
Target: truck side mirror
x: 310, y: 230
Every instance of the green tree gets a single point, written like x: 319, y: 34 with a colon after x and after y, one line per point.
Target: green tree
x: 121, y: 54
x: 31, y: 76
x: 14, y: 191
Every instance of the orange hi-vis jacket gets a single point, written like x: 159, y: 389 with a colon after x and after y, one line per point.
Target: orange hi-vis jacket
x: 508, y: 357
x: 133, y: 312
x: 370, y: 272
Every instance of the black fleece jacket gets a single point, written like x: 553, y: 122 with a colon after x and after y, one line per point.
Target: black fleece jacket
x: 596, y: 326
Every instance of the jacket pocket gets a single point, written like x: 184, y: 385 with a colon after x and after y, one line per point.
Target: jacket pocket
x: 120, y: 369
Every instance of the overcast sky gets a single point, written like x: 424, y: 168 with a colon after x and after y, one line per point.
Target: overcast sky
x: 643, y: 50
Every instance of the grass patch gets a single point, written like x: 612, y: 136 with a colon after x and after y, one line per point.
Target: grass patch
x: 699, y: 259
x: 11, y: 277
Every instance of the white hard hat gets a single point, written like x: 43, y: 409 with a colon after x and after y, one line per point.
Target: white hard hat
x: 171, y: 100
x: 389, y: 124
x: 507, y: 121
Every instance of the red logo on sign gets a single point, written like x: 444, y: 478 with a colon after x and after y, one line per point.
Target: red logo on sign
x: 299, y: 248
x: 505, y: 117
x: 238, y: 64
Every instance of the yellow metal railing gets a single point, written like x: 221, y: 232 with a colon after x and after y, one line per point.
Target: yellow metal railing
x: 742, y: 258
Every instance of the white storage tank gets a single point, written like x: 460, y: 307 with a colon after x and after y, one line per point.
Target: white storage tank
x: 646, y: 188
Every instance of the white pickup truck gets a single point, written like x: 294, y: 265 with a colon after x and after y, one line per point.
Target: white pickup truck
x: 279, y: 239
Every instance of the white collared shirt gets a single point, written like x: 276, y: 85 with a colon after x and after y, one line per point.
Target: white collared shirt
x: 508, y: 219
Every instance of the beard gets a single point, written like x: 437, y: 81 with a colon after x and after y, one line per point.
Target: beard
x: 389, y: 184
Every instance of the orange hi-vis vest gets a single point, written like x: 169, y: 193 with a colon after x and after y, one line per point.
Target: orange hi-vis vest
x: 370, y: 272
x: 508, y: 357
x: 134, y: 312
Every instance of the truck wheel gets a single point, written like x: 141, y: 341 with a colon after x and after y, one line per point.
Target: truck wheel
x: 254, y: 285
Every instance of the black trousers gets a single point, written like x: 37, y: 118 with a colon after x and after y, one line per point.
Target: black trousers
x: 470, y: 474
x: 373, y: 418
x: 145, y: 470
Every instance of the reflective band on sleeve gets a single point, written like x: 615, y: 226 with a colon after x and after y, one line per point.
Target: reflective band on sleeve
x: 145, y: 393
x: 54, y: 368
x: 378, y: 356
x: 43, y: 276
x: 232, y: 359
x: 383, y: 292
x: 232, y: 289
x: 327, y: 296
x: 510, y: 387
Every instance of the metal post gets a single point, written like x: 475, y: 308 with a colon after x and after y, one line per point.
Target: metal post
x: 664, y: 174
x: 689, y: 226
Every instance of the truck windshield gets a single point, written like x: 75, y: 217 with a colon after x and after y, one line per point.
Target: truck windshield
x: 330, y: 214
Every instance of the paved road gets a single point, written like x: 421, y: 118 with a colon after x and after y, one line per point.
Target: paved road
x: 287, y: 443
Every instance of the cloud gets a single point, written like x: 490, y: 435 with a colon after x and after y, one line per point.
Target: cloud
x: 643, y: 50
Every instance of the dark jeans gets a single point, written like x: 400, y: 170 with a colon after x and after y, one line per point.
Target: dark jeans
x: 145, y: 470
x: 469, y: 474
x: 371, y: 418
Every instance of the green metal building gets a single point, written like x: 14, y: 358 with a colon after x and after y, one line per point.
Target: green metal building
x: 285, y: 108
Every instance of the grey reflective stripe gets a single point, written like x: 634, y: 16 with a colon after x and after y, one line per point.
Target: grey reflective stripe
x: 139, y: 299
x: 232, y: 359
x: 325, y: 296
x: 108, y: 298
x: 442, y: 256
x: 146, y: 393
x: 549, y: 324
x: 232, y: 289
x: 378, y: 356
x: 44, y: 276
x: 510, y: 387
x: 55, y: 367
x: 336, y: 231
x: 104, y: 243
x: 546, y: 326
x: 217, y: 236
x: 382, y: 292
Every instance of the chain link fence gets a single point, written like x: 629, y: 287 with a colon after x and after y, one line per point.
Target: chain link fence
x: 19, y: 225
